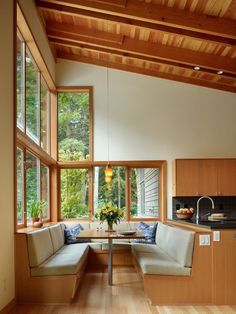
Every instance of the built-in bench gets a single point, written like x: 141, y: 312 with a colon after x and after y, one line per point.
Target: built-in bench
x: 174, y: 270
x: 48, y: 271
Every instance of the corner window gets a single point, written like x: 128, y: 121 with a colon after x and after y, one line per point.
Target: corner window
x: 74, y: 125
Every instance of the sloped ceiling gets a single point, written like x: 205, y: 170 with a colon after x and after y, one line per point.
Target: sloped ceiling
x: 191, y: 41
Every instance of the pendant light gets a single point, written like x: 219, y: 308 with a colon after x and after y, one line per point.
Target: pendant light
x: 108, y: 170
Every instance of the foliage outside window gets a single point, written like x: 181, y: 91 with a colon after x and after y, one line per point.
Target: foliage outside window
x: 74, y: 193
x: 44, y: 175
x: 20, y: 185
x: 32, y: 99
x: 45, y: 114
x: 73, y: 126
x: 144, y: 192
x: 112, y: 192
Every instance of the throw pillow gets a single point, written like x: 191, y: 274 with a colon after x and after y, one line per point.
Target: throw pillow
x: 149, y: 231
x: 71, y: 233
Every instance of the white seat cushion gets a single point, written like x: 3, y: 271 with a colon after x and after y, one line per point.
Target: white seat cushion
x: 117, y: 246
x: 176, y: 242
x: 67, y: 261
x: 57, y: 236
x: 40, y: 246
x: 160, y: 263
x: 141, y: 247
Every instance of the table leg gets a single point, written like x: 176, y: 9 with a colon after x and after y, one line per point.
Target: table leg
x: 110, y: 262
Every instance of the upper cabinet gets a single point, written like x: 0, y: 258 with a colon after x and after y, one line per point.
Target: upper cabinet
x: 196, y: 177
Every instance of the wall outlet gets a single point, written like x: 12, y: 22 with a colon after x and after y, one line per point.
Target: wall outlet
x: 204, y: 239
x: 216, y: 236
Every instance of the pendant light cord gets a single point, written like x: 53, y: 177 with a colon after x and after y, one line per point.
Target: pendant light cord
x: 108, y: 115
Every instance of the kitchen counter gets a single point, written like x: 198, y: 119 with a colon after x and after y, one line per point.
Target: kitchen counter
x: 224, y: 224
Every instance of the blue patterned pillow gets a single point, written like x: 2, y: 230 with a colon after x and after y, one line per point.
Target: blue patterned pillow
x: 71, y: 233
x: 149, y: 231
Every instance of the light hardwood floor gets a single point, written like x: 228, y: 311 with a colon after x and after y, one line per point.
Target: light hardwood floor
x: 94, y: 296
x: 126, y: 296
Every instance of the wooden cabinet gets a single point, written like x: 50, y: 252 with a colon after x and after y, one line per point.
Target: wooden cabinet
x: 195, y: 177
x: 224, y: 275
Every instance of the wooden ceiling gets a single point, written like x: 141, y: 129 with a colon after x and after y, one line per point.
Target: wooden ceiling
x: 161, y: 38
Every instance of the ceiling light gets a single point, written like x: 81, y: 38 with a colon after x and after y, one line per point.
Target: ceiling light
x: 220, y: 72
x: 197, y: 68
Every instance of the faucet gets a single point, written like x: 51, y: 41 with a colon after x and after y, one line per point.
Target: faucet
x: 212, y: 202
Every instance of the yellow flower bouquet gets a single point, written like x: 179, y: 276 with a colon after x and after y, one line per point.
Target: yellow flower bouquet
x: 109, y: 213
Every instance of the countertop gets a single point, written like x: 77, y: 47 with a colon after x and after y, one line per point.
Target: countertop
x: 224, y: 224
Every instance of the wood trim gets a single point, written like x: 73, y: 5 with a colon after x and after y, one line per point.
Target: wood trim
x: 132, y: 56
x: 34, y: 48
x: 161, y: 15
x: 87, y: 164
x: 168, y: 76
x: 130, y: 22
x: 85, y: 33
x: 144, y: 48
x: 33, y: 148
x: 9, y: 307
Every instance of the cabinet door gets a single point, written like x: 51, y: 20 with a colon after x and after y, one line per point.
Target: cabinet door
x: 187, y: 177
x: 227, y: 177
x: 208, y: 177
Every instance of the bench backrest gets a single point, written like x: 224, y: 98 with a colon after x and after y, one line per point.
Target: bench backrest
x: 176, y: 242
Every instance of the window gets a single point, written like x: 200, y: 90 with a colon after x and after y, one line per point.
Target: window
x: 33, y: 178
x: 20, y: 186
x: 20, y: 83
x: 45, y: 115
x: 74, y: 193
x: 144, y: 193
x: 113, y: 191
x: 44, y: 175
x: 74, y: 126
x: 32, y: 99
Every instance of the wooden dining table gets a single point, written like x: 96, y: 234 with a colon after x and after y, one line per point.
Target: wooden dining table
x: 110, y: 236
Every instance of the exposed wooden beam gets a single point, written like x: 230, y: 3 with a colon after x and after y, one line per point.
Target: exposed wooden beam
x: 160, y: 15
x: 149, y: 72
x: 128, y: 22
x: 65, y: 43
x: 164, y: 52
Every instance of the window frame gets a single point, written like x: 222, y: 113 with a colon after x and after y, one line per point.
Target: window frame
x: 161, y: 164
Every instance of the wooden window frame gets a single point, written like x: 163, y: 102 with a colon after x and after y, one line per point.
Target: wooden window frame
x: 161, y: 164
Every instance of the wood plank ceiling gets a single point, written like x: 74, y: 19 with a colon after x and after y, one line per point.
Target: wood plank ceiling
x: 191, y: 41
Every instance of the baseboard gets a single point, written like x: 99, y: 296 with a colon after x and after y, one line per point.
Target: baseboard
x: 8, y: 307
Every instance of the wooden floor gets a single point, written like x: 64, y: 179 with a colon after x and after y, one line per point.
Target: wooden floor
x: 126, y: 296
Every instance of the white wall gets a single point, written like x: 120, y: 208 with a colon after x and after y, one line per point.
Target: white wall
x: 7, y: 289
x: 153, y: 119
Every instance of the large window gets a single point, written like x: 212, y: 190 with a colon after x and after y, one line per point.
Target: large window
x: 33, y: 98
x: 74, y: 193
x: 32, y: 186
x: 20, y: 83
x: 137, y: 190
x: 20, y: 186
x: 74, y: 125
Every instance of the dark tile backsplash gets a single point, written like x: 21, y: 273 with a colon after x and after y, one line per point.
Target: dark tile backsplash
x: 225, y: 205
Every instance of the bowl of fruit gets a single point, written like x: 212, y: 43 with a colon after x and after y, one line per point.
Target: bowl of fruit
x: 184, y: 213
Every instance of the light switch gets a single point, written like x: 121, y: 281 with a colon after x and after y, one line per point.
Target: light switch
x: 204, y: 239
x: 216, y: 236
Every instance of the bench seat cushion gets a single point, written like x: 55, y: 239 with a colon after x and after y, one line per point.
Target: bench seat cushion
x: 160, y: 263
x: 142, y: 247
x: 117, y: 246
x: 66, y: 261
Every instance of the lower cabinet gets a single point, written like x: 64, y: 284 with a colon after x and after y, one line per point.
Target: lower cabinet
x: 224, y: 274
